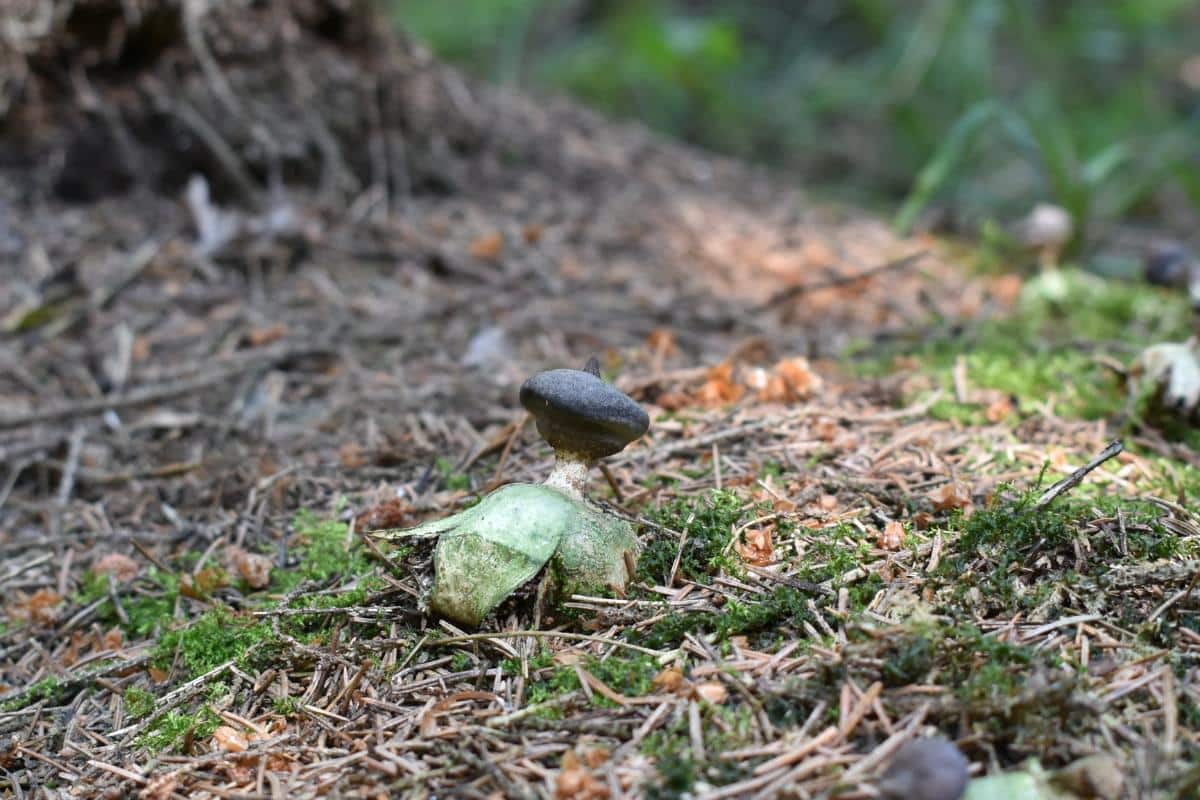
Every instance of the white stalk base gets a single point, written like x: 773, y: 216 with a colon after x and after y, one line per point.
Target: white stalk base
x: 570, y: 475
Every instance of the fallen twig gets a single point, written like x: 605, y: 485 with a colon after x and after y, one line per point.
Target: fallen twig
x: 793, y: 292
x: 479, y: 637
x: 1075, y: 478
x: 146, y: 395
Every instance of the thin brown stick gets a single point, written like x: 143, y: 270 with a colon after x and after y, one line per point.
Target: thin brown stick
x: 580, y: 637
x: 612, y: 482
x: 793, y: 292
x: 146, y: 395
x: 1075, y: 478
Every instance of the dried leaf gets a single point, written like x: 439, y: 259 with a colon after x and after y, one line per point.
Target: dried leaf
x: 669, y: 680
x: 120, y: 566
x: 238, y: 771
x: 922, y: 520
x: 1006, y: 288
x: 279, y: 762
x: 998, y: 409
x: 230, y: 739
x: 791, y: 379
x: 712, y: 691
x: 38, y: 607
x: 71, y: 655
x: 576, y: 782
x: 892, y: 536
x: 570, y: 778
x: 950, y: 496
x: 258, y: 337
x: 160, y: 787
x: 572, y: 268
x: 673, y: 401
x: 756, y: 547
x: 427, y: 724
x: 775, y: 390
x: 394, y: 513
x: 817, y: 254
x: 352, y: 456
x: 201, y: 585
x: 488, y: 247
x: 828, y: 502
x: 719, y: 388
x: 260, y: 735
x: 662, y: 342
x: 141, y: 349
x: 826, y: 429
x: 253, y: 568
x: 532, y: 234
x: 113, y: 639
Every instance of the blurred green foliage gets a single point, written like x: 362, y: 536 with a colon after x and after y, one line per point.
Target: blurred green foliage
x: 974, y: 108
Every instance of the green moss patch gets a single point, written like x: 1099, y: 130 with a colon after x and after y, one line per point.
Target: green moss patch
x: 212, y: 639
x: 174, y: 729
x: 1012, y: 557
x: 1047, y: 349
x: 709, y: 521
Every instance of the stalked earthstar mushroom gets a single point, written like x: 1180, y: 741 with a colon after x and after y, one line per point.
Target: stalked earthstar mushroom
x: 521, y: 530
x: 583, y: 418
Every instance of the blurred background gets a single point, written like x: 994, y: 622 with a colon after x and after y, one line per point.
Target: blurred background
x: 955, y: 115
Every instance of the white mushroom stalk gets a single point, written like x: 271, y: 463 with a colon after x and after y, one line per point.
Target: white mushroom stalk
x: 570, y: 474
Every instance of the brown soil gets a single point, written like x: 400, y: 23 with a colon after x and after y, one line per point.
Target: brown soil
x: 344, y: 306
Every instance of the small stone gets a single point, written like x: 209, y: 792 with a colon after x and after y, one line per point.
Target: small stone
x: 578, y: 413
x: 930, y: 769
x: 1174, y: 266
x: 1097, y: 777
x: 1168, y: 265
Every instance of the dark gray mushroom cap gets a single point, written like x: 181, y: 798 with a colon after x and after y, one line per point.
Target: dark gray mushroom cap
x: 931, y: 769
x: 577, y: 412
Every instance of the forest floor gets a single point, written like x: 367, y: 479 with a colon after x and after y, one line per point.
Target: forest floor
x: 205, y: 401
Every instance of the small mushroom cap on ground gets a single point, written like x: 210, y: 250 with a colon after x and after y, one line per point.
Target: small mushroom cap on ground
x: 1046, y: 225
x: 579, y: 413
x: 929, y: 769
